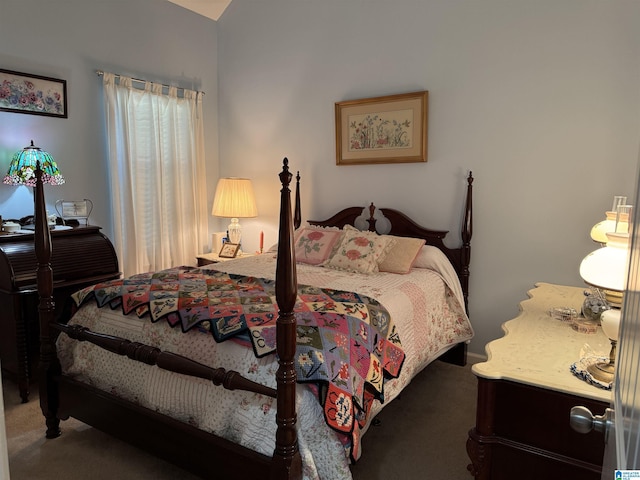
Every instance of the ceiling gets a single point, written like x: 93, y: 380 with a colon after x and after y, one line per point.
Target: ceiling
x: 209, y: 8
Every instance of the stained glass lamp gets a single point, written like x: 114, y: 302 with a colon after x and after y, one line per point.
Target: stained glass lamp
x: 22, y: 170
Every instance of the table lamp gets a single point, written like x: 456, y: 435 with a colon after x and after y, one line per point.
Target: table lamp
x: 617, y: 220
x: 606, y: 269
x: 22, y: 170
x: 234, y: 199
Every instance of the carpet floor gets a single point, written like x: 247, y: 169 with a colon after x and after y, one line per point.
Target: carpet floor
x: 422, y: 435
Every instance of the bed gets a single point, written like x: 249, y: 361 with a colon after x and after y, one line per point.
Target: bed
x: 267, y: 398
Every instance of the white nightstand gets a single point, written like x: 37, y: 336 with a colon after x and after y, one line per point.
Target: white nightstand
x: 526, y: 391
x: 209, y: 258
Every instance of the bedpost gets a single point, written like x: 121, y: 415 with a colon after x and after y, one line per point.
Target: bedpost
x: 297, y: 212
x: 467, y: 232
x: 287, y: 463
x: 371, y: 220
x: 49, y: 365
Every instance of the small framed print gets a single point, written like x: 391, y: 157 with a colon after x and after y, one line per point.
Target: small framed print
x: 74, y: 209
x: 229, y: 250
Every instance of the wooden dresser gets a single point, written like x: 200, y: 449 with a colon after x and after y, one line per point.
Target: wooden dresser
x: 525, y: 394
x: 81, y: 256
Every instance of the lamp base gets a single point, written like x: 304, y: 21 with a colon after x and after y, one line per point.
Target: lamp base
x: 235, y: 231
x: 602, y: 371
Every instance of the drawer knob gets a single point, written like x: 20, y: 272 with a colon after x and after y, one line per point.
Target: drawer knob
x: 583, y: 421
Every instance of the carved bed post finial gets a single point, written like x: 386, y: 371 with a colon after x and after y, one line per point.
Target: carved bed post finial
x: 371, y: 221
x: 467, y: 232
x: 287, y: 463
x: 49, y: 365
x: 297, y: 213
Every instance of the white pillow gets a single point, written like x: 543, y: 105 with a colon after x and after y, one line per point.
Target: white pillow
x: 434, y: 259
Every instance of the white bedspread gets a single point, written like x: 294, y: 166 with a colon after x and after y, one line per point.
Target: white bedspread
x: 430, y: 319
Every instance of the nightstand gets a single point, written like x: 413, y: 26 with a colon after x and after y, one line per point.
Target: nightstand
x: 209, y: 258
x: 525, y: 394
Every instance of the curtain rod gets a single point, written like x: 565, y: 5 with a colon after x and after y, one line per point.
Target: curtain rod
x: 101, y: 73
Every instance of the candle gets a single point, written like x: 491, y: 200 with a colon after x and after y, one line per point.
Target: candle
x: 261, y: 241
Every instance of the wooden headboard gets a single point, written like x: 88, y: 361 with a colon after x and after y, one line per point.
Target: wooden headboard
x: 403, y: 226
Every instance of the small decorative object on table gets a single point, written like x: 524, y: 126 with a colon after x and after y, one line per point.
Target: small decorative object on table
x: 566, y: 314
x: 10, y: 227
x: 229, y: 250
x: 583, y: 368
x: 584, y: 325
x: 74, y: 210
x: 594, y: 304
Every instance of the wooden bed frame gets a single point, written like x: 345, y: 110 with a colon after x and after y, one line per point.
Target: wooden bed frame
x: 204, y: 453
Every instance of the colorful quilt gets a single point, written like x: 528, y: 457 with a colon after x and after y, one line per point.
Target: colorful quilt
x: 347, y: 343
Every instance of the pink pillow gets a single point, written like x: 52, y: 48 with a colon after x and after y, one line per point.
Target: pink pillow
x: 314, y: 245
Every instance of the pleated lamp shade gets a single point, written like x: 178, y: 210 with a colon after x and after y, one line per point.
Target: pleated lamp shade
x: 234, y: 199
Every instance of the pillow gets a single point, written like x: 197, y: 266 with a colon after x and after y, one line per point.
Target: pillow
x: 359, y: 251
x: 314, y: 245
x: 434, y: 259
x: 402, y: 255
x: 430, y: 257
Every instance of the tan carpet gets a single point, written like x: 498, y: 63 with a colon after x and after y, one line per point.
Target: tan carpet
x: 422, y: 436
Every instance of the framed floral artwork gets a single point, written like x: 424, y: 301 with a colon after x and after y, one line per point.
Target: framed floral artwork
x: 229, y: 250
x: 32, y: 94
x: 389, y: 129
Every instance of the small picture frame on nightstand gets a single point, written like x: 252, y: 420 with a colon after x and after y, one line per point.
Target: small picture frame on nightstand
x: 229, y: 250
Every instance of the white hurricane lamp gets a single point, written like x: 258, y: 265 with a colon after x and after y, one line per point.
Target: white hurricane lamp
x: 606, y: 269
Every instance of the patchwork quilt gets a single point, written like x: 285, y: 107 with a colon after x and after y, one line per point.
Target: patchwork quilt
x: 347, y: 343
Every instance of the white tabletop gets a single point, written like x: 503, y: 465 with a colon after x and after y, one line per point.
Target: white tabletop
x: 216, y: 258
x: 539, y: 350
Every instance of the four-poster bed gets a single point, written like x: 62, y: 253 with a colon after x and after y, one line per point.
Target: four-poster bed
x: 208, y: 454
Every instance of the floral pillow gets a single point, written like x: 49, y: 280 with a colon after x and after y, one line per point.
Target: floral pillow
x: 314, y: 245
x: 360, y: 251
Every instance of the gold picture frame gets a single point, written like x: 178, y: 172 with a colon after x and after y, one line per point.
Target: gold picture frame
x: 229, y: 250
x: 389, y: 129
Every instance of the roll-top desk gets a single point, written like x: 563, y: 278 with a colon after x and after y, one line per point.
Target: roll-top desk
x: 81, y: 256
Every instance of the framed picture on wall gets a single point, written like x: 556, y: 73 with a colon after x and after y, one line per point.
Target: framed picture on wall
x: 32, y: 94
x: 389, y: 129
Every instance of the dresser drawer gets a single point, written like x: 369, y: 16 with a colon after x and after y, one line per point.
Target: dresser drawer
x: 525, y: 431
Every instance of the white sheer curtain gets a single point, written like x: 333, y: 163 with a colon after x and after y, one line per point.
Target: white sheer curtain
x: 157, y: 174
